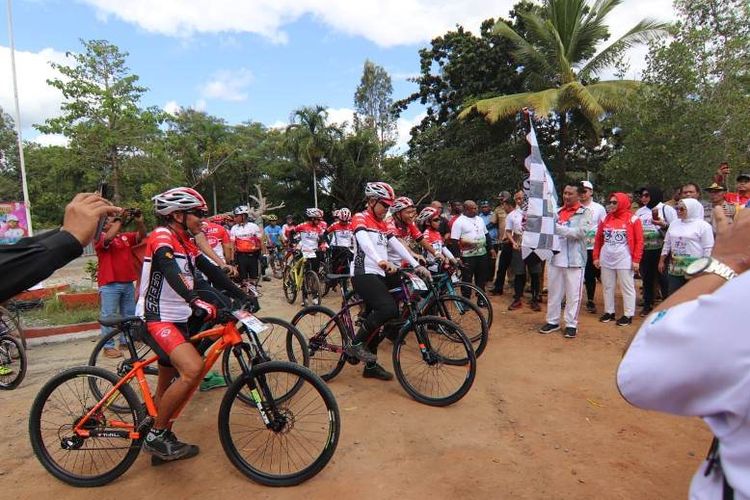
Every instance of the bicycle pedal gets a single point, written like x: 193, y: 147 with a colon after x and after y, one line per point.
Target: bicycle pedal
x: 145, y: 425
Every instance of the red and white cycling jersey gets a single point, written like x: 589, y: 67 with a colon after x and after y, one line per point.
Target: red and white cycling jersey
x: 157, y: 300
x: 341, y: 234
x: 309, y: 234
x: 217, y: 236
x: 407, y: 233
x: 246, y: 237
x: 435, y: 239
x: 378, y: 234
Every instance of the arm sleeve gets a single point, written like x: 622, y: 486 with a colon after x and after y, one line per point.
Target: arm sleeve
x: 33, y: 259
x: 667, y: 247
x: 364, y: 244
x: 447, y: 252
x: 598, y: 240
x: 707, y: 240
x: 164, y: 259
x: 638, y: 237
x: 218, y: 279
x: 395, y: 245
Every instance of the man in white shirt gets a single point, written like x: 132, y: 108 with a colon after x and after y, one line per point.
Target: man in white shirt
x: 597, y: 213
x: 469, y: 236
x: 691, y: 357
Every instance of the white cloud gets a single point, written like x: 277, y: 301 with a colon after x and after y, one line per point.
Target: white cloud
x: 341, y: 116
x: 37, y: 100
x: 51, y: 140
x: 404, y: 126
x: 172, y: 107
x: 228, y: 85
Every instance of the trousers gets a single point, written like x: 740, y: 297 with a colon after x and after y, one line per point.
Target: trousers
x: 564, y: 282
x: 610, y: 277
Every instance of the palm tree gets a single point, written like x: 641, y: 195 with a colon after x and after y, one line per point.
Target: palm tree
x: 557, y: 55
x: 311, y: 139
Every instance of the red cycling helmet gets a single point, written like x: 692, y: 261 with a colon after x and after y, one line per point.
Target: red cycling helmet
x: 401, y: 203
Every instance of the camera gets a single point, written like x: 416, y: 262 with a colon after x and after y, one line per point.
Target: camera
x: 132, y: 212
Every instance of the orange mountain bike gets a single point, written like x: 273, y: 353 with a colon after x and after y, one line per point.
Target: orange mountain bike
x: 285, y: 436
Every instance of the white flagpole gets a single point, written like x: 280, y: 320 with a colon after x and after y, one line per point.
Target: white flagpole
x: 22, y: 163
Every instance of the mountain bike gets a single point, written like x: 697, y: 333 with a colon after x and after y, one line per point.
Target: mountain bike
x: 298, y: 276
x: 12, y: 353
x: 432, y: 358
x: 286, y: 436
x: 276, y: 261
x: 448, y: 283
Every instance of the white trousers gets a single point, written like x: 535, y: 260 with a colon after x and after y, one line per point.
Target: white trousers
x: 564, y: 282
x: 627, y: 288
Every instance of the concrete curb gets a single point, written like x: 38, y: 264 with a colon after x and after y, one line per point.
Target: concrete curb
x: 62, y: 337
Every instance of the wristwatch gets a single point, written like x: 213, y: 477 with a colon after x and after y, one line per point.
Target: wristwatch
x: 709, y: 265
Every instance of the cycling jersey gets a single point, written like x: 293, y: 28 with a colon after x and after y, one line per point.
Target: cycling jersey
x: 435, y: 239
x: 217, y: 237
x: 273, y: 233
x: 309, y: 236
x: 341, y: 234
x: 157, y: 300
x: 246, y: 237
x: 372, y: 233
x: 408, y: 233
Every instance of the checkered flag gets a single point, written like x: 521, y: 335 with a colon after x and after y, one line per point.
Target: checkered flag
x: 539, y: 234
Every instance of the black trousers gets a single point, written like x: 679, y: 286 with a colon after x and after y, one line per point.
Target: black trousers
x: 247, y: 262
x: 532, y: 266
x: 475, y: 270
x: 503, y: 264
x: 590, y: 275
x: 379, y: 302
x: 652, y: 277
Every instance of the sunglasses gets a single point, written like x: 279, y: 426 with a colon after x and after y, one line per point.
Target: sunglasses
x: 645, y: 195
x: 435, y: 220
x: 198, y: 213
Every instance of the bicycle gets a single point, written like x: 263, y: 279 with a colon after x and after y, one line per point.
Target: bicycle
x: 280, y: 340
x: 425, y: 347
x: 448, y: 283
x: 299, y: 276
x: 87, y: 441
x: 11, y: 317
x: 276, y: 261
x: 12, y: 353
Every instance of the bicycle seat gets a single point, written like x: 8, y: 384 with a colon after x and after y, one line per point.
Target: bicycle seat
x: 117, y: 319
x: 338, y: 276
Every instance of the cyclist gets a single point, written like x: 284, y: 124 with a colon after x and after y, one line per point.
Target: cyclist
x: 373, y: 241
x: 312, y: 237
x: 402, y: 226
x: 219, y: 241
x: 167, y: 300
x: 273, y: 237
x: 341, y: 241
x: 431, y: 218
x: 248, y: 244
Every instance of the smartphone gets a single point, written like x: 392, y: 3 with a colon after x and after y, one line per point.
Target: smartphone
x: 655, y: 213
x: 103, y: 191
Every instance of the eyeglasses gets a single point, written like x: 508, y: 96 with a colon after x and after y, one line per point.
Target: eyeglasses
x: 435, y: 220
x: 612, y: 202
x: 644, y: 195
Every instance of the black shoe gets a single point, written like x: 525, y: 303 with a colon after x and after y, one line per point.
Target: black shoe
x: 266, y: 278
x: 516, y: 304
x: 591, y: 307
x: 646, y: 311
x: 360, y: 352
x: 549, y: 328
x: 166, y: 446
x: 535, y: 306
x: 374, y: 370
x: 625, y: 321
x: 193, y: 450
x: 606, y: 318
x: 496, y: 291
x: 570, y: 332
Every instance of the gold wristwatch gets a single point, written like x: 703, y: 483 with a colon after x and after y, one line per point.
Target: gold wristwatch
x: 709, y: 265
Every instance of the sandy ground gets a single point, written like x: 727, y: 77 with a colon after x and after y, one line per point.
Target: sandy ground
x: 543, y: 420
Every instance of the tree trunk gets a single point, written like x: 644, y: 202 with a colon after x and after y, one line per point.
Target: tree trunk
x: 561, y: 167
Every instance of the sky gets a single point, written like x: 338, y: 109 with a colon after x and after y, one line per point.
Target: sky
x: 247, y: 60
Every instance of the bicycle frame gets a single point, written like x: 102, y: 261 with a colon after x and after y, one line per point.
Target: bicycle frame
x: 228, y: 334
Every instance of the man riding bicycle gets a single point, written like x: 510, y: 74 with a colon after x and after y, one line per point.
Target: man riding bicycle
x: 312, y: 237
x: 168, y: 298
x: 342, y: 243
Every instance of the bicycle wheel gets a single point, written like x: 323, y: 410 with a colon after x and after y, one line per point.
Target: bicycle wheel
x: 61, y: 404
x: 302, y: 433
x: 13, y: 358
x: 282, y: 341
x: 478, y: 297
x: 311, y: 287
x: 123, y: 365
x: 325, y: 339
x: 465, y: 314
x: 9, y: 324
x: 434, y: 361
x: 289, y: 285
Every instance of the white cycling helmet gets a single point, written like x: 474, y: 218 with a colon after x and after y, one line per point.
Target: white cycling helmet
x: 427, y: 214
x: 345, y: 215
x: 179, y: 199
x: 380, y: 190
x: 242, y: 210
x: 401, y: 203
x: 311, y: 213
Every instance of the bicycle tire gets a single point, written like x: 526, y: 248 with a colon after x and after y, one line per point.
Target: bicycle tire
x: 466, y: 315
x: 8, y: 322
x: 119, y: 365
x: 289, y: 285
x: 42, y: 448
x: 12, y: 356
x: 328, y: 414
x: 311, y: 287
x: 327, y: 356
x: 482, y: 300
x: 290, y: 344
x: 457, y: 356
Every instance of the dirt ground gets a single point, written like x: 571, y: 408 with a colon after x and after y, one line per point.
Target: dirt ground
x: 543, y: 420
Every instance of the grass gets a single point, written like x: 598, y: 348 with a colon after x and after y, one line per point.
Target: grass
x: 53, y: 313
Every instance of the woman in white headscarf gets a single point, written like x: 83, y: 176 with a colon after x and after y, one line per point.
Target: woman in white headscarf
x: 687, y: 239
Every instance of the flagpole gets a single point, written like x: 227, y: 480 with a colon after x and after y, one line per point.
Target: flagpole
x: 22, y: 163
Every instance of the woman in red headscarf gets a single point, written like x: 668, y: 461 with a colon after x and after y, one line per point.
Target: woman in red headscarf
x: 618, y: 248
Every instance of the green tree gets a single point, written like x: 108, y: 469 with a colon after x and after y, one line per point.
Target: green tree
x: 695, y: 110
x: 556, y: 40
x: 10, y: 176
x: 373, y: 106
x: 100, y: 114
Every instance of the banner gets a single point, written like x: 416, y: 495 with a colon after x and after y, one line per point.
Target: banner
x: 541, y: 205
x: 13, y: 224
